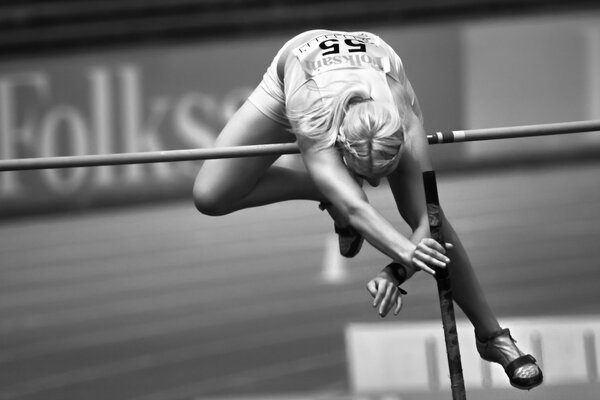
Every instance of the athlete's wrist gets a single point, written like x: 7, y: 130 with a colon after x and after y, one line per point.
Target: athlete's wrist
x: 397, y: 271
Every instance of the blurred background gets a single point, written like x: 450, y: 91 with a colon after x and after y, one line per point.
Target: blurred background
x: 112, y: 286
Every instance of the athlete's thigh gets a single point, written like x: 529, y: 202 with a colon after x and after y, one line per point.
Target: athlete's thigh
x: 248, y: 126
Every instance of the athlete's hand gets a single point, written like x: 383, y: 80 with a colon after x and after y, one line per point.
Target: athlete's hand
x: 386, y: 293
x: 429, y: 254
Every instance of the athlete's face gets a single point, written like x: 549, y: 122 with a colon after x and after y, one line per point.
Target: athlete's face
x: 371, y: 181
x: 375, y: 179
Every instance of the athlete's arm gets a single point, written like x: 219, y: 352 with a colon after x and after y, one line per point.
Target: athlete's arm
x: 406, y: 183
x: 337, y: 185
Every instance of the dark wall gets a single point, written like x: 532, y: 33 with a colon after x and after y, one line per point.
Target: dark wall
x: 33, y: 26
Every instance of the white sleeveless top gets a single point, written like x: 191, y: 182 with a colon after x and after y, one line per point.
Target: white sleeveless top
x: 319, y: 58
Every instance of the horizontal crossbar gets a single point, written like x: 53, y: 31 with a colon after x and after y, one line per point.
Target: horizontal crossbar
x: 279, y: 149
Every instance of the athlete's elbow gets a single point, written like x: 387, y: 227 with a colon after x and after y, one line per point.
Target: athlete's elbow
x: 358, y: 210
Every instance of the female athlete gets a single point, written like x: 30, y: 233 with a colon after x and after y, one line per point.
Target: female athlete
x: 344, y: 97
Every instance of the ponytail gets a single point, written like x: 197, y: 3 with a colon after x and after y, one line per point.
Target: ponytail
x: 322, y: 119
x: 368, y: 133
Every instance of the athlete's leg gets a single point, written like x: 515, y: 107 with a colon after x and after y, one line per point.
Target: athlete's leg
x: 466, y: 289
x: 406, y: 183
x: 493, y: 343
x: 226, y: 185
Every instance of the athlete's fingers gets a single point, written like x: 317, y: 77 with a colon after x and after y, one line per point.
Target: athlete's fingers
x: 430, y: 242
x: 388, y: 300
x: 434, y: 250
x: 430, y: 260
x: 399, y: 304
x: 372, y: 287
x: 380, y: 295
x: 433, y: 244
x: 422, y: 266
x: 384, y: 301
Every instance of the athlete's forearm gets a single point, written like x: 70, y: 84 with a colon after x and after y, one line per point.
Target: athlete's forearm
x: 420, y: 233
x: 381, y: 234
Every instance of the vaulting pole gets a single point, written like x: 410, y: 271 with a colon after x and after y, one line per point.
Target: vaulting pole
x: 444, y: 286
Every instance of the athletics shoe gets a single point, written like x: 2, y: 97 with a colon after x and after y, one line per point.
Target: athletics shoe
x: 349, y: 239
x: 521, y: 369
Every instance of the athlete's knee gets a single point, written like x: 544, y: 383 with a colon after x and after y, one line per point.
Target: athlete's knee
x: 209, y: 200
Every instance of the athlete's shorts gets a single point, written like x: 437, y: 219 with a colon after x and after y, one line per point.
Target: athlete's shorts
x: 269, y: 96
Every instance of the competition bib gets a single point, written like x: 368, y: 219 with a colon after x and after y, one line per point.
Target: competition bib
x: 332, y: 51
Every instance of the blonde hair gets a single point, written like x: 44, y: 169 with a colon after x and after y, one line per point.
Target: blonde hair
x: 368, y: 133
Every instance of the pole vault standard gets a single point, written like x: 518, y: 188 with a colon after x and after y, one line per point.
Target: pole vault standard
x: 281, y: 148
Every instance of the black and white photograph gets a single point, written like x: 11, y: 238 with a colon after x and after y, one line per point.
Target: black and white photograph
x: 285, y: 200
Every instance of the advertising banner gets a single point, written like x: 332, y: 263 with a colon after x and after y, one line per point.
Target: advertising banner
x: 144, y: 100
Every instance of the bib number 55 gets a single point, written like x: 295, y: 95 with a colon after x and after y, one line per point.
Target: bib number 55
x: 332, y: 46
